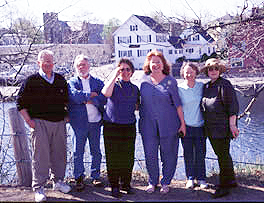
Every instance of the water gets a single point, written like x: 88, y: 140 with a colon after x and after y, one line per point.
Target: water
x: 246, y: 149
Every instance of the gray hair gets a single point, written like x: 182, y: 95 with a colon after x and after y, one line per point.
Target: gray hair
x: 43, y: 53
x: 79, y: 58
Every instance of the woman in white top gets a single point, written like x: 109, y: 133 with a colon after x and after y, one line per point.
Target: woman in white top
x: 194, y: 141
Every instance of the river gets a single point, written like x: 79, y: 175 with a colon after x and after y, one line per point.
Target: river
x: 246, y: 150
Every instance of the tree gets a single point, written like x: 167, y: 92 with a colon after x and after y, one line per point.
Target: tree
x: 109, y: 29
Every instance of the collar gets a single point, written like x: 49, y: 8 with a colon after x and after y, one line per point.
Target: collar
x: 44, y: 76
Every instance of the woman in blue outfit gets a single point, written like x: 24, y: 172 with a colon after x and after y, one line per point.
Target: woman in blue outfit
x: 161, y: 118
x: 120, y: 126
x: 194, y: 142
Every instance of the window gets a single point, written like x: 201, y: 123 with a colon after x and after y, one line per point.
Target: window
x: 161, y: 38
x: 143, y: 38
x: 126, y: 40
x: 189, y: 50
x: 196, y: 38
x: 143, y: 52
x: 125, y: 53
x: 175, y: 51
x: 133, y: 28
x: 236, y: 62
x: 209, y: 50
x: 170, y: 51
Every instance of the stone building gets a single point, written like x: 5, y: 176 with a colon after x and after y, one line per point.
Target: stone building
x: 62, y: 32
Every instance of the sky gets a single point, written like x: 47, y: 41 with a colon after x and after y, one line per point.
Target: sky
x: 100, y: 11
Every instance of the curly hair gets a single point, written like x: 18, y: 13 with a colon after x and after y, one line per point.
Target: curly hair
x: 166, y: 66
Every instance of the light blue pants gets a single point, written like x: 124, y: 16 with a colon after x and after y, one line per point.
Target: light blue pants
x: 79, y: 138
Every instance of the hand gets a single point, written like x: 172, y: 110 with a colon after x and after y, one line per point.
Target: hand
x: 31, y: 123
x: 93, y: 94
x: 234, y: 130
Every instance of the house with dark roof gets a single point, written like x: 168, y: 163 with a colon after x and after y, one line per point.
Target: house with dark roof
x: 140, y: 34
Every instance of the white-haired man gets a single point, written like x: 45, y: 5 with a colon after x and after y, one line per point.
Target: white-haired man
x: 42, y: 101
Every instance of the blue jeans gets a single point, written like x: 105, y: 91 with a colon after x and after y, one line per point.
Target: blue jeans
x: 168, y: 148
x: 194, y: 151
x: 79, y: 138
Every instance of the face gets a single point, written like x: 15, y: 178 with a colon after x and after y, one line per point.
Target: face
x: 46, y: 64
x: 156, y: 65
x: 83, y: 68
x: 189, y: 74
x: 126, y: 71
x: 213, y: 73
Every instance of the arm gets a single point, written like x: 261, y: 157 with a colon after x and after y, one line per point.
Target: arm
x: 181, y: 116
x: 27, y: 118
x: 107, y: 91
x: 76, y: 94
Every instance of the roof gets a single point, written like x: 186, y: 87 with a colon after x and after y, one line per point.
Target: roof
x: 152, y: 24
x: 176, y: 41
x: 204, y: 34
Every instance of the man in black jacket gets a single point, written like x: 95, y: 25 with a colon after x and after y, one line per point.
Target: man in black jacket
x: 42, y: 102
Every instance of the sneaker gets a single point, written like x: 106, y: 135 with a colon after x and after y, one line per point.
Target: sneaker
x: 221, y: 192
x: 62, y: 187
x: 150, y: 189
x: 202, y: 184
x: 128, y: 190
x: 40, y: 195
x: 98, y: 183
x: 164, y: 189
x: 80, y: 184
x: 115, y: 192
x: 189, y: 184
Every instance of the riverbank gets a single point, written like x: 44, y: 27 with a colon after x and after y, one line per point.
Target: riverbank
x: 251, y: 188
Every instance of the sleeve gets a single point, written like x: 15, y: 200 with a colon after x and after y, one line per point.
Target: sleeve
x: 230, y: 99
x: 76, y: 94
x: 23, y: 97
x: 100, y: 100
x: 173, y: 91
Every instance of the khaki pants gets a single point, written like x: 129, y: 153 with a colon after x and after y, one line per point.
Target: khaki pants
x: 49, y: 141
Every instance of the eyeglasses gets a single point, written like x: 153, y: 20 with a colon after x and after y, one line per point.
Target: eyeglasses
x: 211, y: 68
x: 127, y: 69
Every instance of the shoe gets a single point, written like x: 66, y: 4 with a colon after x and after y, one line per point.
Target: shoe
x: 189, y: 184
x: 202, y: 184
x: 150, y: 189
x: 40, y: 195
x: 164, y: 189
x: 80, y: 184
x: 221, y: 192
x: 128, y: 190
x: 97, y: 183
x: 116, y: 193
x: 62, y: 187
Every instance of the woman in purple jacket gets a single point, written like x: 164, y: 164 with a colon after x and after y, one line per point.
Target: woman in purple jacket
x: 120, y: 126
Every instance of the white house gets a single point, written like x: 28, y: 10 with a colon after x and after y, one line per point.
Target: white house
x: 140, y: 34
x: 197, y: 43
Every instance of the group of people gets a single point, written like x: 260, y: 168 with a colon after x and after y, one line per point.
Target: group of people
x: 190, y: 111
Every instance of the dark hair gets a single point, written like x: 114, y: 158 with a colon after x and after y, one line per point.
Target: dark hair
x: 192, y: 65
x: 155, y: 52
x: 128, y: 62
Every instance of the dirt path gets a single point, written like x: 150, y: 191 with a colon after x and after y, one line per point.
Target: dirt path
x: 251, y: 188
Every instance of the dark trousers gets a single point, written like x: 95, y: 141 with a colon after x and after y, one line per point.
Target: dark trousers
x: 221, y: 148
x: 194, y: 151
x: 119, y: 142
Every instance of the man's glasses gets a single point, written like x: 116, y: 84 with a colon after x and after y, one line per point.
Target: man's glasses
x: 127, y: 69
x: 211, y: 68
